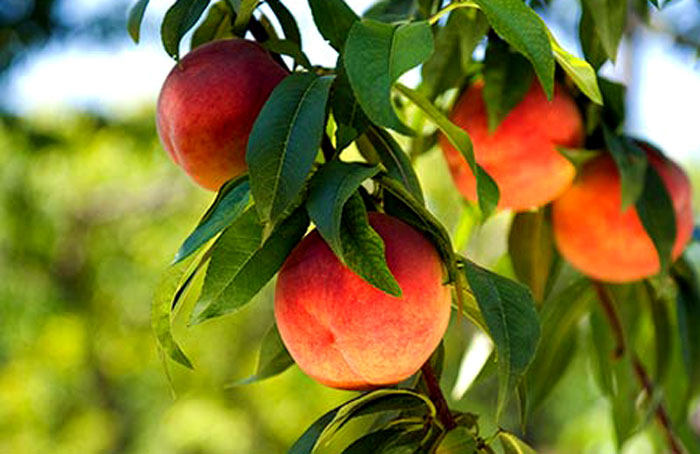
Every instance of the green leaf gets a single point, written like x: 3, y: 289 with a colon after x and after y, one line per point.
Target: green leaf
x: 284, y: 142
x: 287, y: 21
x: 523, y: 29
x: 562, y: 311
x: 333, y: 18
x: 454, y: 42
x: 507, y: 79
x: 373, y: 442
x: 578, y: 156
x: 177, y: 21
x: 615, y: 378
x: 655, y: 210
x: 329, y: 189
x: 135, y: 18
x: 458, y: 441
x: 232, y: 199
x: 510, y: 315
x: 580, y: 71
x: 241, y: 263
x: 217, y: 25
x: 273, y: 360
x: 688, y: 314
x: 369, y: 403
x: 290, y: 48
x: 631, y: 162
x: 487, y: 189
x: 614, y: 95
x: 406, y: 207
x: 590, y: 41
x: 363, y: 249
x: 392, y: 11
x: 243, y: 15
x: 609, y: 18
x: 348, y: 114
x: 513, y: 445
x: 395, y: 160
x: 663, y: 345
x: 375, y: 55
x: 531, y: 248
x: 161, y: 314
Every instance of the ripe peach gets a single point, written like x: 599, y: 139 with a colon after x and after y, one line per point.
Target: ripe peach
x: 604, y: 242
x: 520, y: 155
x: 347, y: 334
x: 208, y: 105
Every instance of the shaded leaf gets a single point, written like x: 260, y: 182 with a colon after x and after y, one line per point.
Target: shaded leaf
x: 392, y: 10
x: 284, y: 142
x: 655, y: 210
x: 135, y: 18
x: 177, y: 21
x: 398, y: 166
x: 375, y: 55
x: 333, y: 18
x: 241, y: 263
x: 273, y: 360
x: 458, y: 441
x: 609, y: 18
x: 507, y: 79
x: 287, y: 21
x: 590, y: 41
x: 531, y: 248
x: 217, y: 25
x: 290, y: 48
x: 243, y: 14
x: 329, y: 189
x: 513, y: 323
x: 688, y: 314
x: 522, y: 28
x: 231, y: 200
x: 363, y: 249
x: 631, y: 162
x: 348, y: 114
x: 161, y: 314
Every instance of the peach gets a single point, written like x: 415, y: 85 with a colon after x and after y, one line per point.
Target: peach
x: 208, y: 105
x: 602, y: 241
x: 521, y: 154
x: 347, y: 334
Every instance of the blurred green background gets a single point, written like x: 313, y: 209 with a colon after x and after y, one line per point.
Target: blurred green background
x: 91, y: 212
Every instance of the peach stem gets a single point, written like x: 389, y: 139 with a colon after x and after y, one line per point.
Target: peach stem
x: 642, y: 376
x: 435, y: 394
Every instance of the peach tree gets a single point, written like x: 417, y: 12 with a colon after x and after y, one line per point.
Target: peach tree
x: 314, y: 168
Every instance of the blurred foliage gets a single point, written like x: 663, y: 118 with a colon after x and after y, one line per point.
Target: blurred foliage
x: 91, y: 210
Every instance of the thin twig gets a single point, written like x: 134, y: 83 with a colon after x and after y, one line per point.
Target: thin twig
x: 661, y: 414
x: 615, y: 324
x: 435, y: 394
x: 640, y: 372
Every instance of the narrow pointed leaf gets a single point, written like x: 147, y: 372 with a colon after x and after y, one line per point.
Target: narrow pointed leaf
x: 230, y: 202
x: 273, y: 360
x: 531, y: 248
x: 287, y: 21
x: 609, y: 18
x: 487, y: 189
x: 135, y: 18
x: 284, y: 142
x: 348, y: 114
x: 241, y: 263
x: 514, y: 445
x: 580, y: 71
x: 181, y: 17
x: 631, y: 162
x: 161, y: 314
